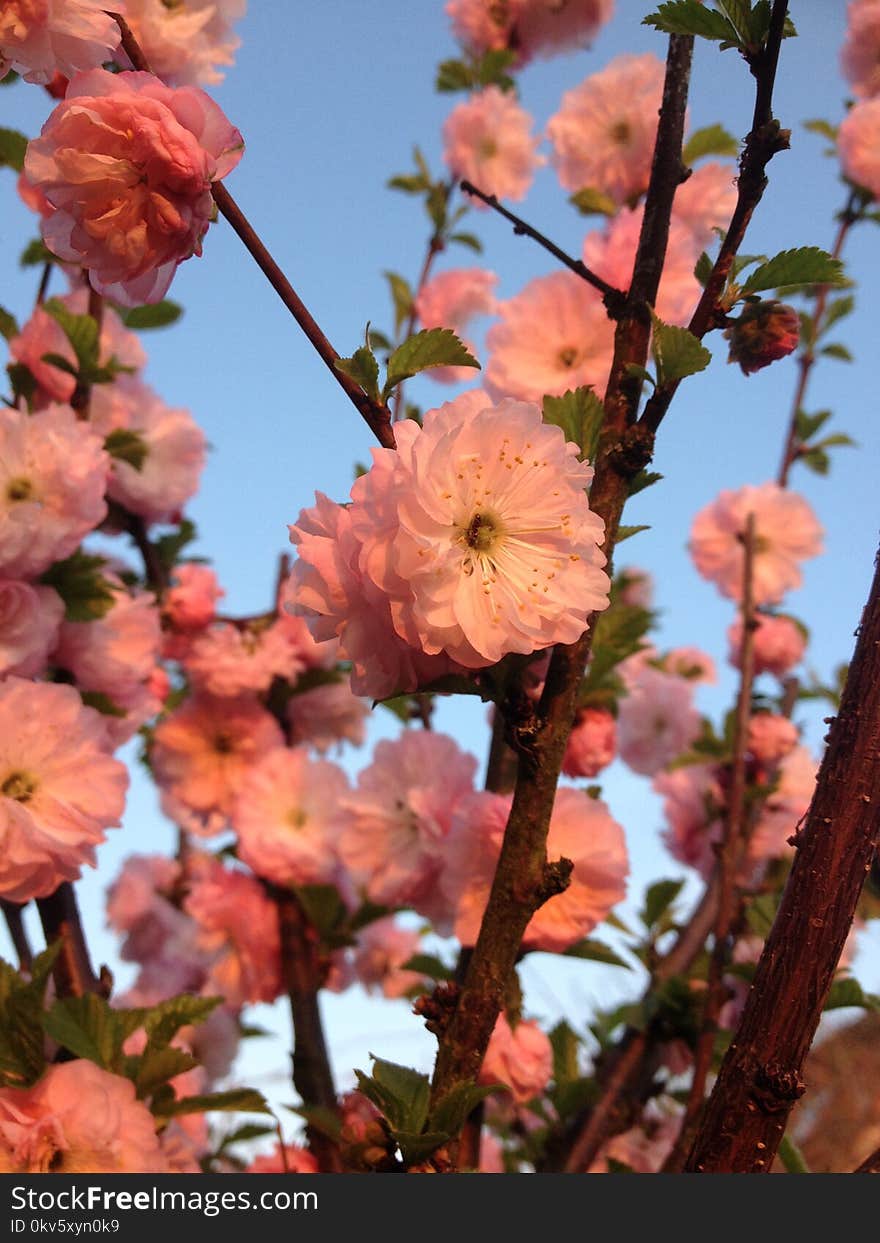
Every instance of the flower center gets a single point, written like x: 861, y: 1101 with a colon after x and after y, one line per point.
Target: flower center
x: 488, y: 148
x: 296, y: 818
x: 568, y: 356
x: 620, y: 133
x: 19, y: 786
x: 222, y: 743
x: 19, y: 490
x: 482, y: 532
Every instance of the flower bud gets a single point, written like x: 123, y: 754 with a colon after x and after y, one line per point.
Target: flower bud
x: 764, y: 332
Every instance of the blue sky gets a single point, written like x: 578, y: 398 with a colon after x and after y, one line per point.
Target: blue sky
x: 330, y: 99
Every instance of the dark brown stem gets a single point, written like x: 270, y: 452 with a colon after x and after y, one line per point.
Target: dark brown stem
x: 761, y: 1075
x: 155, y: 571
x: 627, y: 1063
x: 45, y: 277
x: 74, y: 976
x: 728, y: 869
x: 521, y: 879
x: 765, y: 139
x: 807, y: 358
x: 870, y: 1165
x: 376, y: 415
x: 614, y: 298
x: 303, y: 977
x: 14, y: 922
x: 82, y: 394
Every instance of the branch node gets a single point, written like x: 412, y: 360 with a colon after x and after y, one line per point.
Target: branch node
x: 438, y: 1007
x: 555, y: 879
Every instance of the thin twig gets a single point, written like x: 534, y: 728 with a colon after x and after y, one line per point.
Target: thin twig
x: 74, y: 976
x: 614, y: 298
x: 17, y: 933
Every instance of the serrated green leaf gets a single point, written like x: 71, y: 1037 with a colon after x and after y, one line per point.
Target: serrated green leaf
x: 163, y: 1021
x: 710, y: 140
x: 87, y: 595
x: 677, y: 353
x: 636, y: 372
x: 816, y: 460
x: 824, y: 128
x: 153, y: 315
x: 35, y: 252
x: 417, y: 1146
x: 703, y: 269
x: 454, y: 75
x: 363, y: 368
x: 738, y: 13
x: 792, y: 269
x: 241, y: 1135
x: 806, y: 425
x: 13, y: 146
x: 8, y: 324
x: 835, y: 349
x: 846, y: 991
x: 659, y: 897
x: 838, y: 439
x: 81, y: 331
x: 628, y: 532
x: 432, y: 347
x: 88, y: 1027
x: 169, y: 547
x: 157, y: 1067
x: 457, y: 1106
x: 238, y: 1100
x: 401, y: 296
x: 580, y: 414
x: 127, y: 446
x: 492, y: 68
x: 409, y: 183
x: 404, y: 1094
x: 644, y: 479
x: 591, y: 201
x: 689, y: 17
x: 427, y: 964
x: 596, y: 951
x: 468, y: 239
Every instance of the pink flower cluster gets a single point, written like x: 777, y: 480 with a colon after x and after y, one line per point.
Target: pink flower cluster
x: 42, y: 38
x: 528, y: 27
x: 487, y: 140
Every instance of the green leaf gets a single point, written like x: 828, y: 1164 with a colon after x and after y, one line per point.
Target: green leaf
x: 400, y: 1093
x: 644, y: 479
x: 738, y: 13
x: 237, y: 1100
x: 580, y: 414
x: 636, y: 372
x: 628, y: 532
x: 22, y: 381
x: 457, y: 1106
x: 806, y: 425
x: 454, y: 75
x: 432, y: 347
x: 838, y: 439
x: 710, y: 140
x: 565, y: 1044
x: 824, y: 128
x: 468, y: 239
x: 409, y: 183
x: 154, y: 315
x: 427, y: 964
x: 792, y: 269
x: 596, y: 951
x: 324, y: 908
x: 816, y: 460
x: 163, y: 1021
x: 88, y: 1027
x: 836, y: 350
x: 658, y: 899
x: 677, y: 353
x: 847, y: 991
x: 8, y: 324
x: 59, y: 361
x: 416, y: 1146
x: 169, y: 547
x: 102, y: 703
x: 792, y: 1157
x: 22, y: 1051
x: 401, y: 296
x: 81, y: 331
x: 35, y: 253
x: 157, y: 1066
x: 491, y: 69
x: 592, y: 202
x: 689, y: 17
x: 87, y: 595
x: 127, y: 446
x: 703, y: 269
x: 363, y: 368
x: 13, y: 146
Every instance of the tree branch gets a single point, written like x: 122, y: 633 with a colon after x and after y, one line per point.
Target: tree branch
x: 74, y: 976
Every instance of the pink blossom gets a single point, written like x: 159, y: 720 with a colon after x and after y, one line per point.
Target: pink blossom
x: 314, y: 655
x: 857, y: 145
x: 229, y: 660
x: 78, y: 1119
x: 328, y: 589
x: 172, y: 443
x: 42, y: 334
x: 612, y: 254
x: 520, y: 1058
x: 128, y: 164
x: 190, y: 602
x: 451, y: 300
x: 635, y: 587
x: 691, y: 663
x: 59, y: 789
x: 382, y: 949
x: 487, y: 140
x: 29, y: 620
x: 603, y: 134
x: 237, y: 930
x: 288, y: 816
x: 53, y: 472
x: 116, y: 654
x: 554, y: 335
x: 184, y: 43
x: 860, y: 54
x: 201, y: 753
x: 779, y: 643
x: 656, y: 720
x: 400, y: 815
x: 771, y: 738
x: 495, y: 544
x: 39, y: 38
x: 327, y: 715
x: 139, y: 904
x: 528, y: 27
x: 644, y: 1147
x: 592, y: 743
x: 581, y: 829
x: 786, y: 533
x: 693, y: 802
x: 785, y: 806
x: 293, y: 1160
x: 705, y: 202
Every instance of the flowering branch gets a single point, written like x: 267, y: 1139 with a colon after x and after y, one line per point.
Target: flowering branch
x: 524, y: 879
x: 73, y: 972
x: 614, y: 298
x: 760, y: 1077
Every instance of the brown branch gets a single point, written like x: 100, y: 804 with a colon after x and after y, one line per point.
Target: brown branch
x: 848, y: 217
x: 74, y: 976
x: 765, y: 139
x: 521, y: 879
x: 376, y: 415
x: 614, y: 298
x: 870, y: 1165
x: 760, y: 1077
x: 17, y: 933
x: 155, y: 571
x: 45, y: 277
